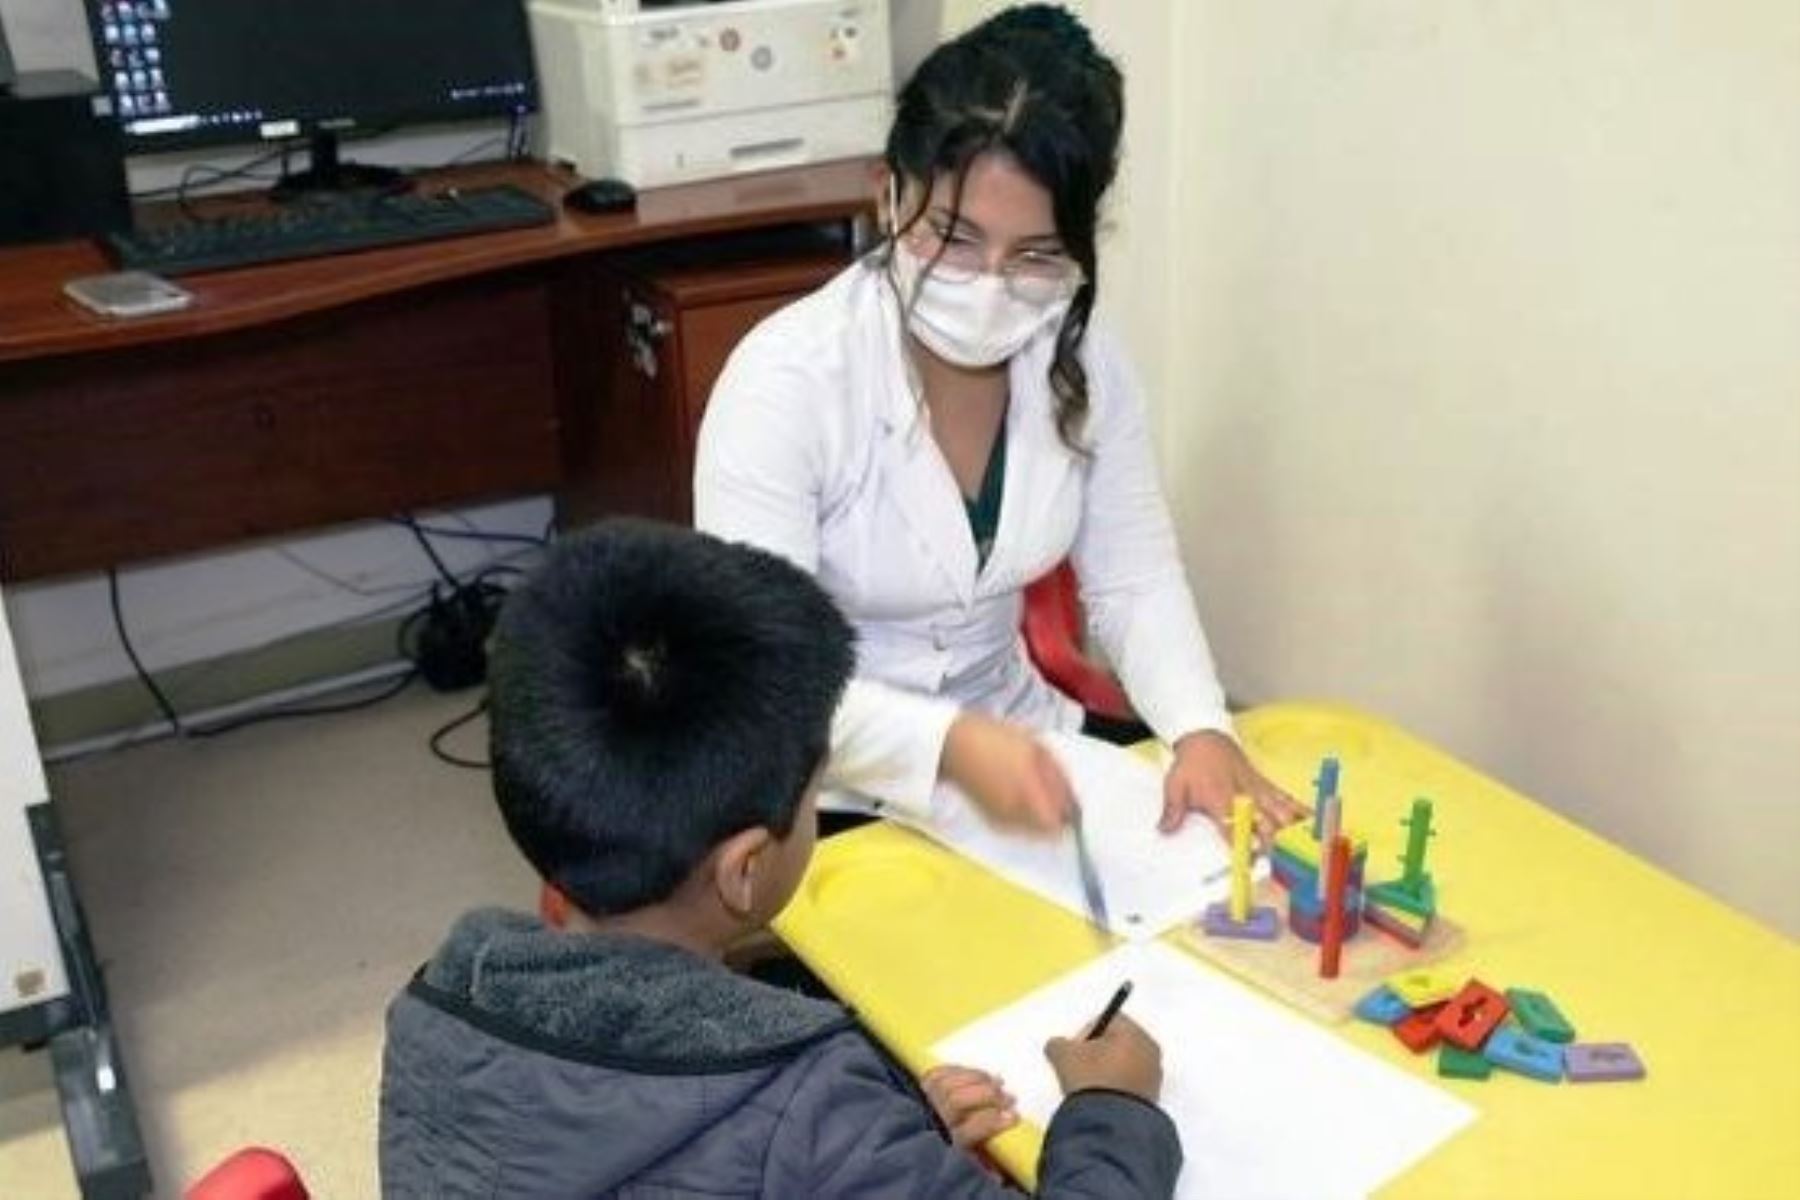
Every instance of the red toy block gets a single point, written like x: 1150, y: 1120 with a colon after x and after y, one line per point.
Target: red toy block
x: 1471, y: 1015
x: 1418, y: 1031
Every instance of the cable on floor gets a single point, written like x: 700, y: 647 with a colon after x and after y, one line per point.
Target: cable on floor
x: 436, y: 742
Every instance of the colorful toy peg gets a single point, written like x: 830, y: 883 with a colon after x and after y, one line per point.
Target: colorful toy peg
x: 1331, y: 938
x: 1413, y: 893
x: 1331, y: 812
x: 1412, y: 863
x: 1240, y: 859
x: 1326, y: 784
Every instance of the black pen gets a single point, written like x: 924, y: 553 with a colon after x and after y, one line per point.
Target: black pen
x: 1110, y: 1011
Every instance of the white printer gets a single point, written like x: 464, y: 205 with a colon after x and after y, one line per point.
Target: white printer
x: 659, y: 94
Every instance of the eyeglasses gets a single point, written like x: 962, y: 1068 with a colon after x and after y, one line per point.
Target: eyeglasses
x: 1033, y: 276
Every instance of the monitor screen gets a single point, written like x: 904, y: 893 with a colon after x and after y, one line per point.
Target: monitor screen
x: 191, y: 72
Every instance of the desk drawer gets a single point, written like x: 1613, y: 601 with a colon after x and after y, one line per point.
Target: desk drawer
x: 663, y: 326
x: 445, y: 394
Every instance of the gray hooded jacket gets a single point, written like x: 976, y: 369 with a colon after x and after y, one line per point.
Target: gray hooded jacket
x: 525, y: 1062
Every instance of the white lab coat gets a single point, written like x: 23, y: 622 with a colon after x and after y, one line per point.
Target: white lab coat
x: 814, y: 447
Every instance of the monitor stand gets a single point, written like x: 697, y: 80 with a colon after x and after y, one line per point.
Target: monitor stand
x: 326, y: 172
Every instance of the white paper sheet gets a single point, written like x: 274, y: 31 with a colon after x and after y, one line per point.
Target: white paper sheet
x: 1269, y: 1105
x: 1151, y: 880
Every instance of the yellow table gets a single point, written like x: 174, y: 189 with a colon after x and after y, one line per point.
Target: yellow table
x: 922, y: 942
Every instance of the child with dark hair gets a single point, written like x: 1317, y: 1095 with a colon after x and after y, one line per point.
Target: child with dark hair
x: 661, y: 704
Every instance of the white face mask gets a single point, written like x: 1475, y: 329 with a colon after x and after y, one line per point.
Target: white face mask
x: 973, y: 323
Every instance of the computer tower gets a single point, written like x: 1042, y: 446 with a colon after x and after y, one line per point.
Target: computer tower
x: 62, y: 165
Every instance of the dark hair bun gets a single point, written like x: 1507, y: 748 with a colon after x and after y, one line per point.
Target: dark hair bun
x: 1048, y: 46
x: 1044, y: 20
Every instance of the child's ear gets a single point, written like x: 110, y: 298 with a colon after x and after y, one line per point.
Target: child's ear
x: 554, y: 906
x: 736, y: 868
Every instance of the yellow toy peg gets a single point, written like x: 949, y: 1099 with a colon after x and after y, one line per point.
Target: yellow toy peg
x: 1240, y: 859
x: 1234, y: 918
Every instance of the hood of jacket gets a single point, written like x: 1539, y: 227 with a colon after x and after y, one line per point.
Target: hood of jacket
x: 592, y: 1056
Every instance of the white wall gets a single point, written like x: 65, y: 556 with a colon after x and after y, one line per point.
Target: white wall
x: 1480, y: 402
x: 198, y: 608
x: 47, y: 34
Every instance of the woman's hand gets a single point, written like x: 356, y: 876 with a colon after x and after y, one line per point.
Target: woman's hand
x: 1209, y: 770
x: 973, y: 1105
x: 1011, y: 777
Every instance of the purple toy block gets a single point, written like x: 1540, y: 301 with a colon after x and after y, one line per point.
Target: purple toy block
x: 1601, y: 1062
x: 1263, y: 926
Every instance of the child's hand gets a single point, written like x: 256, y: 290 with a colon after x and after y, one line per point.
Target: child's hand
x: 1124, y: 1058
x: 972, y: 1104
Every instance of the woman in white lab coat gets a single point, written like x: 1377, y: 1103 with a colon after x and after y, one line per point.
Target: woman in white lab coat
x: 939, y: 426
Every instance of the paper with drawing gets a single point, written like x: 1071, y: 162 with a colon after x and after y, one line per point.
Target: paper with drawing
x: 1152, y: 880
x: 1269, y: 1105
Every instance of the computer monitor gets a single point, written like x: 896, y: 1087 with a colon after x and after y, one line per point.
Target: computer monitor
x: 186, y: 73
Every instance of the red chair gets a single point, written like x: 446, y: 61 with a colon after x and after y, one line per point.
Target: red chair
x: 1053, y: 632
x: 254, y: 1173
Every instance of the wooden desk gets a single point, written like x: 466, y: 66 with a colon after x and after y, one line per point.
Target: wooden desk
x: 329, y: 389
x: 921, y: 942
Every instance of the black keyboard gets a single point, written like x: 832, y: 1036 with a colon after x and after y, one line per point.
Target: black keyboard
x: 338, y: 226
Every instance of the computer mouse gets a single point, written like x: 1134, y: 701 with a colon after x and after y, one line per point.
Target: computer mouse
x: 601, y: 196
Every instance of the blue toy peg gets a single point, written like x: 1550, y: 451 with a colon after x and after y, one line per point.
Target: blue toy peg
x: 1326, y: 784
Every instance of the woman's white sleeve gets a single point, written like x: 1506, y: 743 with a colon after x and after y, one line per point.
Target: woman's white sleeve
x: 759, y: 477
x: 1133, y: 587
